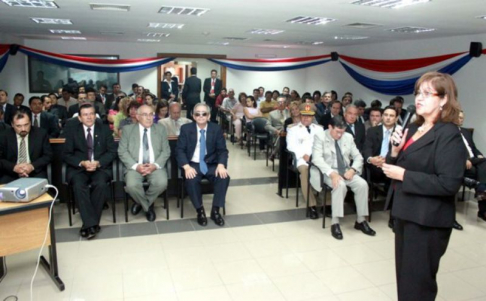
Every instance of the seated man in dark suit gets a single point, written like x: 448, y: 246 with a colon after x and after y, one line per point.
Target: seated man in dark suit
x: 201, y: 152
x: 43, y: 119
x: 24, y: 150
x: 51, y: 106
x: 355, y: 128
x: 335, y: 110
x: 89, y: 151
x: 8, y: 109
x: 3, y: 125
x: 18, y: 103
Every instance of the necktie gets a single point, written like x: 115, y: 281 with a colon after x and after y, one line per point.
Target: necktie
x: 36, y: 122
x: 89, y: 142
x: 351, y: 126
x: 340, y: 160
x: 212, y: 86
x: 308, y: 129
x: 22, y: 151
x: 385, y: 144
x: 202, y: 153
x: 146, y: 156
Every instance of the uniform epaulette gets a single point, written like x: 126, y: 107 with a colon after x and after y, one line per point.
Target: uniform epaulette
x: 291, y: 125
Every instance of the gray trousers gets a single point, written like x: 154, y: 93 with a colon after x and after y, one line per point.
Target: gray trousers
x: 157, y: 181
x: 360, y: 188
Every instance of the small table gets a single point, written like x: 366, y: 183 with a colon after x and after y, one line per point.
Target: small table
x: 23, y: 227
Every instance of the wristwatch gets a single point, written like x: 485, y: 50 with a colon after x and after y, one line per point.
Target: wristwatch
x: 368, y: 160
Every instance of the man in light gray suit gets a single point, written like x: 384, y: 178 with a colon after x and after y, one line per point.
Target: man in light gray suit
x: 174, y: 122
x: 144, y: 150
x: 276, y: 118
x: 332, y: 153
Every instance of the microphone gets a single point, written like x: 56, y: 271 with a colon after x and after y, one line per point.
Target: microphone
x: 406, y: 120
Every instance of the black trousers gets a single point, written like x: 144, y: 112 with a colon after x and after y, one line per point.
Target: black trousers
x: 418, y: 250
x: 189, y: 108
x: 193, y: 186
x: 211, y: 102
x: 477, y: 171
x: 90, y: 201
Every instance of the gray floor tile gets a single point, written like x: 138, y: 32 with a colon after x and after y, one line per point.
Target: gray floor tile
x: 241, y: 220
x: 174, y: 226
x: 138, y: 229
x: 67, y: 234
x: 112, y: 231
x: 253, y: 181
x: 274, y: 217
x: 297, y: 214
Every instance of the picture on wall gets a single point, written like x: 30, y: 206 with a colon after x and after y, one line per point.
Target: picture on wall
x: 45, y: 77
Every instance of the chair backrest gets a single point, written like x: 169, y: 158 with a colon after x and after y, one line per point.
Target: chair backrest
x: 49, y: 173
x: 259, y: 124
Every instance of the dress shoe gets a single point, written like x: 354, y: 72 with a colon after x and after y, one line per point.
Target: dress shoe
x: 482, y: 215
x: 83, y: 232
x: 457, y: 226
x: 136, y: 208
x: 106, y: 206
x: 217, y: 218
x: 470, y: 183
x: 201, y: 217
x: 336, y: 231
x: 391, y: 223
x: 91, y: 233
x: 97, y: 228
x: 313, y: 213
x: 150, y: 214
x: 365, y: 228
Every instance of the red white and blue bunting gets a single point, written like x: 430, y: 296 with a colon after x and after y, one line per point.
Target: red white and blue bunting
x: 4, y: 52
x: 273, y: 64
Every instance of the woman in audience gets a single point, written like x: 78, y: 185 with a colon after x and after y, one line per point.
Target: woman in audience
x: 294, y: 95
x: 132, y: 116
x: 317, y: 96
x: 237, y: 114
x: 161, y: 111
x: 149, y: 100
x: 294, y: 114
x: 251, y: 111
x: 113, y: 112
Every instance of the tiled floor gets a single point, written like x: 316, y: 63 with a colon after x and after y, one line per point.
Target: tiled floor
x: 267, y: 250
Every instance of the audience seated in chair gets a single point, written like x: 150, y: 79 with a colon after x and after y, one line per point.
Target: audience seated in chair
x: 375, y: 118
x: 89, y: 151
x: 201, y: 152
x: 42, y: 119
x: 144, y: 150
x: 353, y: 127
x: 335, y: 110
x: 174, y: 122
x: 8, y: 109
x: 3, y: 125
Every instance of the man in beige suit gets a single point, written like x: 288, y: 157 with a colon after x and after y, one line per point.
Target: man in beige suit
x: 144, y: 150
x: 276, y: 118
x: 174, y: 122
x: 332, y: 153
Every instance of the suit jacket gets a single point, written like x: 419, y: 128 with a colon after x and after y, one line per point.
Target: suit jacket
x: 40, y: 151
x: 60, y: 112
x: 275, y: 122
x: 169, y: 125
x: 216, y: 151
x: 76, y: 149
x: 218, y: 85
x: 321, y: 110
x: 4, y: 126
x: 165, y: 89
x: 468, y: 136
x: 191, y: 93
x: 129, y: 145
x: 49, y: 122
x: 325, y: 120
x: 434, y: 172
x: 359, y: 134
x: 324, y: 155
x: 109, y: 98
x: 8, y: 113
x: 374, y: 138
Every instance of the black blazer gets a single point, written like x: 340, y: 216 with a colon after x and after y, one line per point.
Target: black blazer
x: 374, y: 138
x: 109, y: 98
x: 468, y: 135
x: 49, y: 122
x: 434, y: 171
x: 4, y: 126
x: 216, y: 151
x: 60, y: 112
x: 8, y: 113
x: 218, y: 85
x: 191, y: 93
x: 325, y: 120
x: 165, y: 89
x: 40, y: 152
x: 360, y: 136
x: 76, y: 149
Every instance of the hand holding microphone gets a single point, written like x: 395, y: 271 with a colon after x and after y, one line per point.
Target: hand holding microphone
x: 398, y: 139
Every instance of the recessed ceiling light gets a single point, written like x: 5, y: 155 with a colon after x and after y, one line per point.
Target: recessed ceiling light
x: 482, y: 17
x: 411, y: 29
x: 235, y: 38
x: 389, y: 3
x: 112, y: 7
x: 219, y: 43
x: 350, y: 38
x: 73, y: 38
x: 362, y: 25
x: 166, y: 25
x: 65, y: 31
x: 310, y: 20
x: 185, y: 11
x: 156, y: 34
x: 31, y: 3
x: 148, y: 40
x: 265, y: 31
x: 310, y: 43
x: 52, y: 21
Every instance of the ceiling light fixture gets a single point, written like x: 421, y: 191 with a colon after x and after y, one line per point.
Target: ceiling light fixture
x: 184, y: 11
x: 74, y: 38
x: 235, y: 38
x: 482, y: 17
x: 389, y: 3
x: 112, y: 7
x: 362, y: 25
x: 31, y: 3
x: 310, y: 20
x: 411, y: 29
x: 350, y: 38
x: 265, y: 31
x: 111, y: 33
x: 65, y: 31
x: 52, y: 21
x: 166, y: 25
x: 156, y: 34
x: 310, y: 43
x: 219, y: 43
x: 148, y: 40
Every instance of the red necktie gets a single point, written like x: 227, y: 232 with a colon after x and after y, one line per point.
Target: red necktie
x: 212, y: 86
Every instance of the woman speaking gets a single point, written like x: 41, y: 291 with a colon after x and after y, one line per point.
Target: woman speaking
x: 427, y: 171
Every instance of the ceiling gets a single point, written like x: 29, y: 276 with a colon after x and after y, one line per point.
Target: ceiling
x: 234, y: 18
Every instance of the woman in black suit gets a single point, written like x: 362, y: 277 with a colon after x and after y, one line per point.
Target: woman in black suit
x: 427, y: 170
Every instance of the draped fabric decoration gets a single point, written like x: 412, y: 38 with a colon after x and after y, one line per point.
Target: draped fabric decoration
x: 4, y: 52
x: 273, y: 64
x: 94, y: 64
x: 398, y: 77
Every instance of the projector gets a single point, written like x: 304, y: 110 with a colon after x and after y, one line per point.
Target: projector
x: 23, y: 190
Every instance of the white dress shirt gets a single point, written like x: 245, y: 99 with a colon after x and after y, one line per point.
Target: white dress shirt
x: 195, y: 157
x: 140, y: 152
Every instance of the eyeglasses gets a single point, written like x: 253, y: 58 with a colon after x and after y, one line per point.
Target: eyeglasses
x: 197, y: 114
x: 146, y: 115
x: 426, y: 94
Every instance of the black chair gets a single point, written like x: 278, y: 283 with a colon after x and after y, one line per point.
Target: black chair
x: 325, y: 189
x: 258, y: 132
x: 71, y: 202
x: 374, y: 187
x: 292, y: 166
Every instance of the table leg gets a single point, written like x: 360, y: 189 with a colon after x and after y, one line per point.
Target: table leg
x: 52, y: 268
x: 3, y: 270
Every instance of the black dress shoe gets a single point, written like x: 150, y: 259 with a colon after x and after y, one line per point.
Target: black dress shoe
x: 217, y: 218
x: 136, y: 208
x: 457, y: 226
x: 391, y: 223
x: 336, y: 231
x: 91, y: 233
x: 313, y: 213
x: 150, y: 214
x: 470, y: 183
x: 482, y: 215
x: 97, y: 228
x: 201, y: 217
x: 365, y: 228
x: 83, y: 232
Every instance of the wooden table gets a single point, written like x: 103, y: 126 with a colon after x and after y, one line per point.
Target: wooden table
x: 23, y: 227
